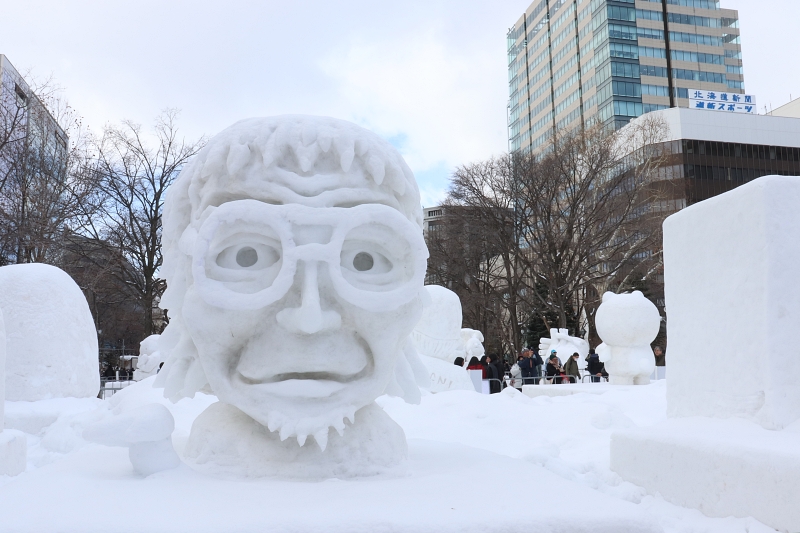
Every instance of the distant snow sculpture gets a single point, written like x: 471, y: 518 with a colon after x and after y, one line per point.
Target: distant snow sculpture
x: 146, y: 431
x: 295, y: 265
x: 473, y: 343
x: 150, y: 357
x: 13, y: 444
x: 51, y: 337
x: 627, y: 324
x: 439, y: 339
x: 564, y: 346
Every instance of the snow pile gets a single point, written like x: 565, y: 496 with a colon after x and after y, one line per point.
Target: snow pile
x: 627, y: 323
x: 50, y: 335
x: 542, y: 465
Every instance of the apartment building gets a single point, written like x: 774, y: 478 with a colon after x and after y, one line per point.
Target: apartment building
x: 576, y: 62
x: 27, y: 127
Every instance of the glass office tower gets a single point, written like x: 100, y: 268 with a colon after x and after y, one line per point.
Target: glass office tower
x: 574, y: 62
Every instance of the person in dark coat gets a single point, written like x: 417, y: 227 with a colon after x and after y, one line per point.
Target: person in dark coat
x: 553, y: 369
x: 595, y: 367
x: 490, y: 372
x: 527, y: 365
x: 474, y: 364
x: 571, y: 369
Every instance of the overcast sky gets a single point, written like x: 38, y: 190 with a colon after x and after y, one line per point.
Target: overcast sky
x: 429, y: 75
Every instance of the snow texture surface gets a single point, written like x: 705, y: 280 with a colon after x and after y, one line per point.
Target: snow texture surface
x: 730, y: 269
x: 51, y: 342
x: 627, y: 324
x: 295, y: 266
x: 543, y: 465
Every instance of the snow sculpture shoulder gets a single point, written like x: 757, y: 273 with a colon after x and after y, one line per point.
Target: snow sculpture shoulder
x: 51, y: 337
x: 295, y: 263
x: 627, y: 324
x: 564, y: 346
x: 439, y: 339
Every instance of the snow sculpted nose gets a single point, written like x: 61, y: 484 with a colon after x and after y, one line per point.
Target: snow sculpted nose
x: 309, y: 318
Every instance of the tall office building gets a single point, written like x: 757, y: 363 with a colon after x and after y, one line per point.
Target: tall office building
x: 573, y: 62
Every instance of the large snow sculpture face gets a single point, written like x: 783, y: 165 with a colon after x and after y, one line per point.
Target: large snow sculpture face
x: 300, y: 273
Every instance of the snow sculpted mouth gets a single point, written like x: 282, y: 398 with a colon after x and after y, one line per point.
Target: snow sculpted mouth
x: 305, y: 384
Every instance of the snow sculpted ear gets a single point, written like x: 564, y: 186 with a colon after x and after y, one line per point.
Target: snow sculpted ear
x: 608, y: 296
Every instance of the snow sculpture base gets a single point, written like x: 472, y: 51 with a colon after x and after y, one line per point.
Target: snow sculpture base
x: 225, y: 441
x: 568, y: 389
x: 721, y: 467
x: 13, y: 452
x: 446, y: 376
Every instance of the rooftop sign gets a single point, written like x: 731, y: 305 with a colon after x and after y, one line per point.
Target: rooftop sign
x: 722, y: 102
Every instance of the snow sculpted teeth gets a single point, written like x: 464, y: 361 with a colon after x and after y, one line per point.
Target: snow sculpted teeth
x: 321, y: 437
x: 376, y: 168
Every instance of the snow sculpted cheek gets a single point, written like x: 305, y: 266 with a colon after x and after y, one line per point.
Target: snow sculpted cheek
x: 295, y: 266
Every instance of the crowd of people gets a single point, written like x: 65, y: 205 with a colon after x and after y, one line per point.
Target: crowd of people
x: 531, y: 369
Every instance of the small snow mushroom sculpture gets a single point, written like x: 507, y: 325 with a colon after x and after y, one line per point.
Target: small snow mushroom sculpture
x: 627, y: 324
x: 295, y: 265
x: 147, y: 433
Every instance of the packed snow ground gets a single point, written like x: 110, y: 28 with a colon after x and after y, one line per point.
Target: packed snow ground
x: 502, y: 459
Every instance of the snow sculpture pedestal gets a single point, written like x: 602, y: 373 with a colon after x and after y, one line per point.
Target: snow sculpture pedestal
x: 295, y: 267
x: 731, y: 266
x: 439, y: 340
x: 627, y: 323
x: 372, y: 444
x: 51, y: 337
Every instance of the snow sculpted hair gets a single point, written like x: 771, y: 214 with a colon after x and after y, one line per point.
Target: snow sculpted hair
x: 318, y: 161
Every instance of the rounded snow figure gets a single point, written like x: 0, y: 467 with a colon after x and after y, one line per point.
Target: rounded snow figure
x: 439, y: 339
x: 627, y: 323
x: 51, y: 340
x: 295, y: 264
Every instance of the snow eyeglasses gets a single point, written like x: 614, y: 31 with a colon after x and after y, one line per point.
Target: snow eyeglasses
x: 245, y: 253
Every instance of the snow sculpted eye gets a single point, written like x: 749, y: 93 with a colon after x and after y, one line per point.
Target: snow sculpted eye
x: 249, y: 256
x: 245, y: 262
x: 375, y: 258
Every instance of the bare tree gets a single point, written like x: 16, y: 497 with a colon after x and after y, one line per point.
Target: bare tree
x: 43, y: 189
x: 135, y: 172
x: 567, y: 224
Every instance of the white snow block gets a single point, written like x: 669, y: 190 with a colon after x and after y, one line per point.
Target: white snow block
x: 51, y: 341
x: 13, y: 452
x: 721, y: 467
x: 733, y: 304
